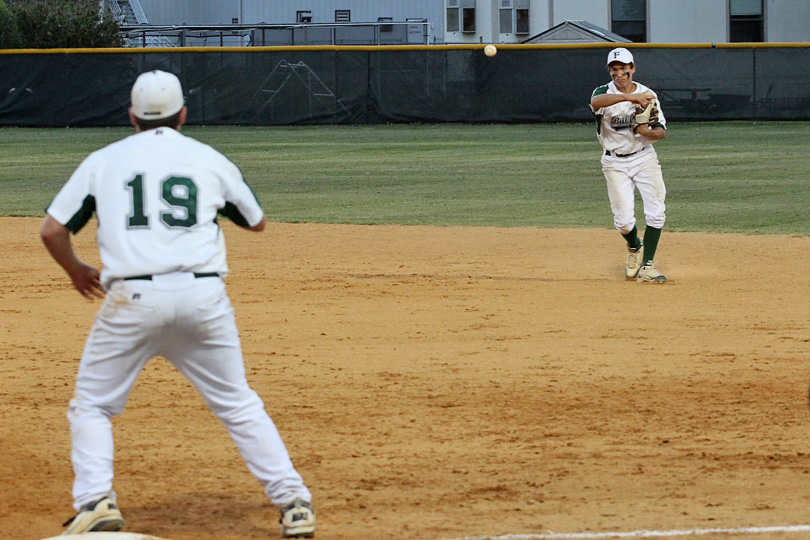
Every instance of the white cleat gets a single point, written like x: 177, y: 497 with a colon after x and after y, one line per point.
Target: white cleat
x: 633, y: 262
x: 298, y: 520
x: 648, y: 274
x: 100, y: 515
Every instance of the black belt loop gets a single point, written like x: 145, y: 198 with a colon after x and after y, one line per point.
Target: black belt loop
x: 148, y: 277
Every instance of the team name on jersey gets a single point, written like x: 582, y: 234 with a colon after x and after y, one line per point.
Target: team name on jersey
x: 620, y: 123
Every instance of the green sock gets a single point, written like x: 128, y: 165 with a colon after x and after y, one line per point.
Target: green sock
x: 632, y: 238
x: 651, y: 237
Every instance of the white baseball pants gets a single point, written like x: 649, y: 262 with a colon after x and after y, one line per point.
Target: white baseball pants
x: 190, y: 322
x: 641, y: 171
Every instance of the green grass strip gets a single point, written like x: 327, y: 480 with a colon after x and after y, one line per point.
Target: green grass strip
x: 721, y: 177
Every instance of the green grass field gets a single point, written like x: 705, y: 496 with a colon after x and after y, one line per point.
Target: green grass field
x: 721, y: 177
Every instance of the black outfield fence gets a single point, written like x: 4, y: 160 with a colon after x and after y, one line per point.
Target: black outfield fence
x: 366, y: 85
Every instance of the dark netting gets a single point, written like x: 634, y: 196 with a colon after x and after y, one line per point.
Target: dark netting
x: 430, y: 84
x: 64, y: 90
x: 781, y: 83
x: 291, y: 87
x: 699, y: 84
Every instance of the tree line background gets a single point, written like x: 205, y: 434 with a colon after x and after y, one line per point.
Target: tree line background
x: 56, y: 24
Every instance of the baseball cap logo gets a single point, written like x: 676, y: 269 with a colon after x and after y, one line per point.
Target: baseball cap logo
x: 620, y: 55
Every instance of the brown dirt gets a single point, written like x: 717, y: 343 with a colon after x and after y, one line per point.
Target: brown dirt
x: 439, y: 383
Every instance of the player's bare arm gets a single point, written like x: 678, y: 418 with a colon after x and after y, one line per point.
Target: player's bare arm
x: 652, y: 133
x: 606, y: 100
x: 85, y: 278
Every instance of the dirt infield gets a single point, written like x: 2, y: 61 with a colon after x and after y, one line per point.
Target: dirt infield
x: 436, y: 383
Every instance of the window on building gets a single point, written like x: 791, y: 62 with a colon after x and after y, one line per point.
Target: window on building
x: 303, y: 16
x: 453, y: 16
x: 505, y: 20
x: 746, y: 22
x: 629, y: 19
x: 343, y: 15
x: 521, y: 21
x: 386, y: 27
x: 461, y: 15
x: 453, y: 19
x: 506, y: 17
x: 468, y: 19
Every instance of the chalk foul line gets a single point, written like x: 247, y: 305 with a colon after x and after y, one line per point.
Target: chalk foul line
x: 640, y: 534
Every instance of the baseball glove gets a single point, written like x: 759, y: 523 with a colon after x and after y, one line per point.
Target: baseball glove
x: 648, y: 114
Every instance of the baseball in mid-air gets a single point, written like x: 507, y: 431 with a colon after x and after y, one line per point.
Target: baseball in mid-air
x: 490, y: 50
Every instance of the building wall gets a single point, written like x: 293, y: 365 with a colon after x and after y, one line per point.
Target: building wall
x: 323, y: 11
x: 539, y: 16
x: 669, y: 21
x: 191, y: 12
x: 217, y: 12
x: 787, y: 21
x: 543, y: 14
x: 593, y: 11
x: 688, y: 21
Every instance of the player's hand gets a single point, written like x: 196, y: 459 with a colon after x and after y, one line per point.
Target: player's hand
x: 86, y: 279
x: 641, y: 100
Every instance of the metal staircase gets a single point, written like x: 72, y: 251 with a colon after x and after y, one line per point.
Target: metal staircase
x: 129, y: 12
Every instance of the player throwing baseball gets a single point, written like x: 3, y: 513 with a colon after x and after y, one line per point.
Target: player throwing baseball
x: 629, y: 120
x: 156, y: 195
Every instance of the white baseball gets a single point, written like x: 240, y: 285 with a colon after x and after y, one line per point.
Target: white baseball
x: 490, y: 50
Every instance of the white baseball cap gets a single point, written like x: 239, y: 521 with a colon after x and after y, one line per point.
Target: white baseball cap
x: 155, y: 95
x: 620, y: 55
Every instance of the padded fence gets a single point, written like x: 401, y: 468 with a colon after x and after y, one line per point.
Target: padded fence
x: 365, y: 85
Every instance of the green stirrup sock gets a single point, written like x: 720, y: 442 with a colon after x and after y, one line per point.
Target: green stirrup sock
x: 632, y: 238
x: 651, y: 237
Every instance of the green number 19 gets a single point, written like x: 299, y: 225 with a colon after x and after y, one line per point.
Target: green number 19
x: 178, y: 192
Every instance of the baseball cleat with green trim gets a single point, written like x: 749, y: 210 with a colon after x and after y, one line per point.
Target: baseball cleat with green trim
x: 100, y: 515
x: 649, y: 274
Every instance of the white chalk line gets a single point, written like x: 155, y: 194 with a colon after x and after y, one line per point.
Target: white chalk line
x: 640, y: 534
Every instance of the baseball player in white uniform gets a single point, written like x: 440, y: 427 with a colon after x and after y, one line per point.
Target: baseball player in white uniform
x: 629, y: 161
x: 156, y: 195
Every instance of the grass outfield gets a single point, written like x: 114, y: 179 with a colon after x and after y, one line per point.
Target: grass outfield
x: 725, y: 177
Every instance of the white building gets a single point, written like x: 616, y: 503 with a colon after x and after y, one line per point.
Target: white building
x: 512, y: 21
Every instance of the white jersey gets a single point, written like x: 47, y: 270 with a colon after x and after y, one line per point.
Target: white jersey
x: 157, y: 194
x: 614, y: 123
